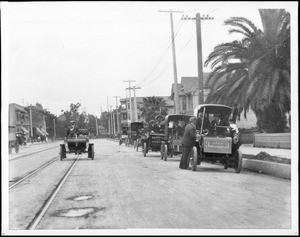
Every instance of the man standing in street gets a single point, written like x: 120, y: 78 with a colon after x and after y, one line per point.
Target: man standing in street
x: 188, y: 141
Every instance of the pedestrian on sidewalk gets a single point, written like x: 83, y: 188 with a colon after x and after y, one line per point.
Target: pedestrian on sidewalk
x: 188, y: 141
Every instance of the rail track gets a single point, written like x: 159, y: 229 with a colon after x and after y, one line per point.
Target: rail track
x: 33, y: 172
x: 33, y: 224
x: 32, y: 153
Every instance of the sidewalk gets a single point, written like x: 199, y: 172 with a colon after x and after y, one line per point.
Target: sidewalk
x: 33, y: 147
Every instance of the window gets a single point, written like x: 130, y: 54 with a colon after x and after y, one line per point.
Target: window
x: 18, y: 116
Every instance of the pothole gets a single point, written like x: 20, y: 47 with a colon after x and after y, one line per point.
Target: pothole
x: 77, y: 212
x: 81, y: 197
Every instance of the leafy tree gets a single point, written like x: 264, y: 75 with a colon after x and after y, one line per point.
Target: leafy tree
x: 153, y: 106
x: 255, y: 71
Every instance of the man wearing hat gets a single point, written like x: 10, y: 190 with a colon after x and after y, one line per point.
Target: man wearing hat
x: 72, y: 130
x: 188, y: 141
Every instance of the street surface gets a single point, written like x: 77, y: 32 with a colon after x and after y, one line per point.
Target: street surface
x: 121, y: 189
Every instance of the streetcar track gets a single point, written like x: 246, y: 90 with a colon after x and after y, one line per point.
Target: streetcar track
x: 33, y: 172
x: 31, y: 153
x: 49, y: 200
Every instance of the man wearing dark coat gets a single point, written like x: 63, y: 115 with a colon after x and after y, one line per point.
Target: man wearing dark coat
x: 72, y: 130
x: 188, y: 141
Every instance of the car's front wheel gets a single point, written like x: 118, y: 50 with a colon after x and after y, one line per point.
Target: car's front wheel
x: 137, y: 144
x: 194, y: 159
x: 62, y: 152
x: 162, y: 147
x: 238, y: 161
x: 145, y: 149
x: 166, y: 152
x: 91, y: 151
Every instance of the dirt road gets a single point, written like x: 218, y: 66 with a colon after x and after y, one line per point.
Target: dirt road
x: 121, y: 189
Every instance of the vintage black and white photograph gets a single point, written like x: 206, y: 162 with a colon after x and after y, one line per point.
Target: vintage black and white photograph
x: 149, y: 118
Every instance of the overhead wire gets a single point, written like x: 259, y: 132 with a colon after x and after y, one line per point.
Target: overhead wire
x: 192, y: 35
x: 163, y: 55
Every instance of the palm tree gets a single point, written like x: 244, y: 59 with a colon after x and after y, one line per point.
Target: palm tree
x: 153, y: 106
x: 255, y: 71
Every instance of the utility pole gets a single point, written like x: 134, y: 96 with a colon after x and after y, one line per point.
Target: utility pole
x: 107, y: 104
x: 54, y: 129
x: 135, y: 104
x: 130, y: 99
x: 199, y: 52
x: 135, y: 118
x: 31, y: 128
x: 174, y: 60
x: 97, y: 127
x: 118, y: 123
x: 108, y: 120
x: 112, y: 120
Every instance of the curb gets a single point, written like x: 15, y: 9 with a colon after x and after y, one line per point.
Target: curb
x: 265, y: 167
x: 275, y: 169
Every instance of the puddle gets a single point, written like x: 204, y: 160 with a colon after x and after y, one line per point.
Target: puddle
x: 77, y: 212
x: 80, y: 198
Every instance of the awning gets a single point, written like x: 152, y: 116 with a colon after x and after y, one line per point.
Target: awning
x: 24, y: 129
x: 47, y: 134
x: 39, y: 131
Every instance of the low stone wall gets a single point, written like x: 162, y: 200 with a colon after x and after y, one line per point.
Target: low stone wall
x: 271, y: 168
x: 272, y: 140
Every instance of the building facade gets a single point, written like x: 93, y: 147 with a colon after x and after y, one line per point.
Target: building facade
x: 126, y: 116
x: 188, y: 93
x: 30, y: 121
x: 18, y: 121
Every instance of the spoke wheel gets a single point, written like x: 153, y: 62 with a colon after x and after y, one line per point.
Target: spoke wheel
x: 166, y: 152
x: 62, y: 152
x: 137, y: 144
x: 162, y: 150
x: 195, y: 158
x: 238, y: 161
x: 145, y: 149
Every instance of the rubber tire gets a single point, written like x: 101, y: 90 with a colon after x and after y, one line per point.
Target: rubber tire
x: 195, y: 157
x: 137, y: 144
x: 17, y: 148
x: 91, y: 152
x: 162, y: 146
x: 62, y: 153
x: 166, y: 152
x: 238, y: 161
x: 145, y: 149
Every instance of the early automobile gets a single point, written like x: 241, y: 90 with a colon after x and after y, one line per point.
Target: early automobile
x: 153, y: 138
x: 124, y: 136
x: 174, y: 129
x: 134, y: 134
x: 219, y: 138
x: 77, y: 144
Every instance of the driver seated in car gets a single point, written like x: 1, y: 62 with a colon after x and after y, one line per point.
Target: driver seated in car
x: 72, y: 130
x: 206, y: 123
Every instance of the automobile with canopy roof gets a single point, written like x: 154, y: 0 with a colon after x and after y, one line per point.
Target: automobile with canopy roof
x: 219, y: 137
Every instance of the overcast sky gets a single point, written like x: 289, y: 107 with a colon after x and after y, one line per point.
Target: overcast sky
x: 58, y: 53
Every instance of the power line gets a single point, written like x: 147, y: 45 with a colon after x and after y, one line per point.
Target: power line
x: 163, y: 55
x: 192, y: 35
